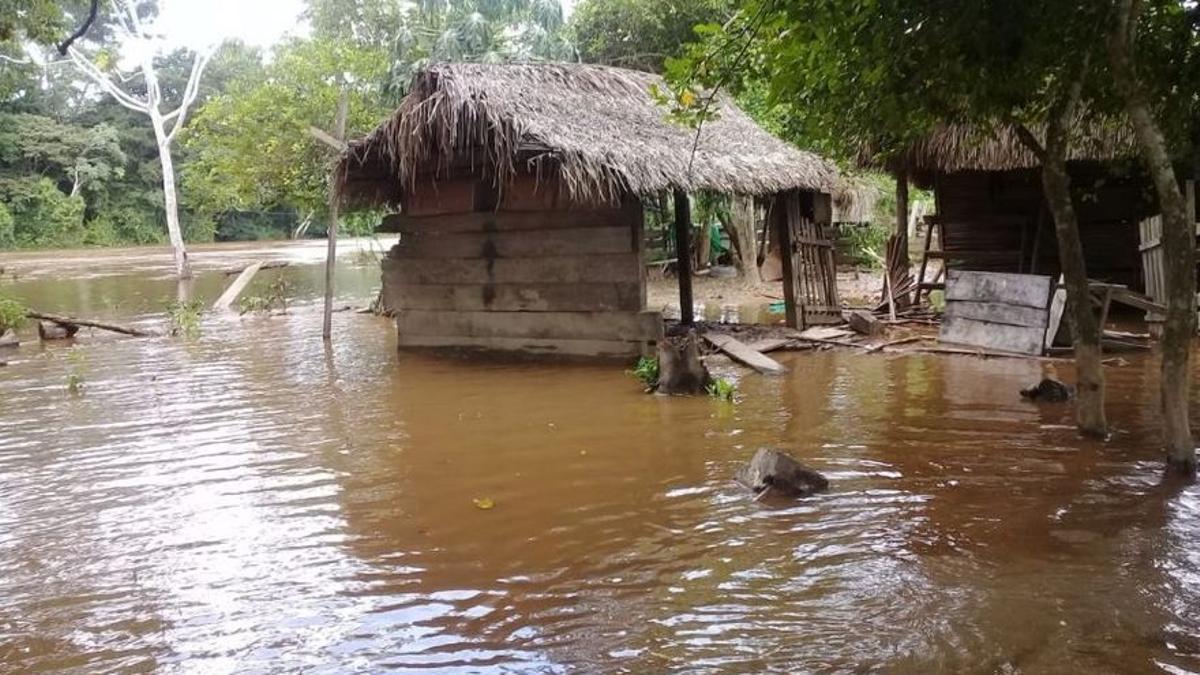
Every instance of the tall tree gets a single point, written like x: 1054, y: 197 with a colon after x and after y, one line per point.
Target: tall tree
x: 640, y: 34
x: 883, y: 74
x: 136, y: 35
x: 1179, y: 234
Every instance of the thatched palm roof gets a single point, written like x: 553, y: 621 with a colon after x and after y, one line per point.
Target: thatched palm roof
x: 598, y: 126
x: 952, y: 148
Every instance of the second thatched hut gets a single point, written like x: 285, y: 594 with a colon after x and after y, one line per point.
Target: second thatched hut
x: 516, y: 190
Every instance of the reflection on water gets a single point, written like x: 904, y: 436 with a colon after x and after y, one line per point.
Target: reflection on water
x: 250, y: 499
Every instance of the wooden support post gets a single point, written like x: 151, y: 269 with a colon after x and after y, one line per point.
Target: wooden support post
x: 683, y: 248
x: 339, y: 134
x: 783, y: 235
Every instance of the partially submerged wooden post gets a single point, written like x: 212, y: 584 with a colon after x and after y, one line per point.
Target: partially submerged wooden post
x: 787, y: 257
x: 339, y: 134
x: 683, y: 237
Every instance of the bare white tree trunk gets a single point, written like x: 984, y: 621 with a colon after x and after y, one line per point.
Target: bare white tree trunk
x: 166, y: 125
x: 170, y: 199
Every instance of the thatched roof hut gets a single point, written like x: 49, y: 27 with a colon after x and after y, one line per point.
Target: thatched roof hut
x: 990, y: 204
x: 599, y: 127
x: 952, y: 148
x: 518, y: 197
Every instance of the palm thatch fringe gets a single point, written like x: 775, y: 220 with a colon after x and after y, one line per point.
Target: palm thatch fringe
x: 959, y: 147
x: 598, y: 128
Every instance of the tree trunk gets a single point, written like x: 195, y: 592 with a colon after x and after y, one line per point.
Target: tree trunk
x: 742, y: 233
x: 704, y: 244
x: 902, y: 216
x: 1085, y: 328
x: 183, y: 269
x: 1178, y: 243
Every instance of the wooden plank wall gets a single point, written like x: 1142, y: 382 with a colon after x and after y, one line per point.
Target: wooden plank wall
x: 526, y: 270
x: 992, y: 223
x: 1004, y: 312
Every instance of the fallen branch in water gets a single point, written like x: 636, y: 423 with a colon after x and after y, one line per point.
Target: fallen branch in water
x: 230, y: 271
x: 88, y: 323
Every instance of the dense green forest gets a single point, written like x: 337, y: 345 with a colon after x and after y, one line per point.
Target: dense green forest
x: 79, y: 168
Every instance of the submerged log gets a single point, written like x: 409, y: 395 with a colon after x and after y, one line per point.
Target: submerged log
x: 680, y: 370
x: 772, y: 473
x: 50, y: 330
x: 69, y: 321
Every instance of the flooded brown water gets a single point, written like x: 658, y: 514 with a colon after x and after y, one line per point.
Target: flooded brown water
x: 250, y: 502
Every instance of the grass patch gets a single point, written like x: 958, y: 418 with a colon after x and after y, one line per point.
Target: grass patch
x: 185, y: 318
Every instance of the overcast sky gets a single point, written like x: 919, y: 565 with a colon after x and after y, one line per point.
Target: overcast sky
x: 197, y: 23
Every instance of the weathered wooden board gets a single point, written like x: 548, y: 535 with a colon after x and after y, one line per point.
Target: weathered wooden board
x: 518, y: 244
x: 741, y: 353
x: 769, y: 344
x: 503, y: 221
x: 1025, y: 290
x: 444, y: 196
x: 623, y: 349
x: 1057, y: 306
x: 631, y: 326
x: 999, y: 337
x: 565, y: 270
x: 614, y: 296
x: 997, y: 313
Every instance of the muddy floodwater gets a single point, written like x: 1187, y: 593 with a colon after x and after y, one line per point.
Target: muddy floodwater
x: 251, y: 502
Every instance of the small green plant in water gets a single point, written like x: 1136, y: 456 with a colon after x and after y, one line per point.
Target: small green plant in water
x: 185, y: 317
x: 275, y: 298
x: 77, y: 363
x: 646, y: 370
x: 12, y: 314
x: 722, y: 389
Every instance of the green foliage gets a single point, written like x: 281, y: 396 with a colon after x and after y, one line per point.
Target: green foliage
x: 721, y: 389
x: 184, y: 318
x: 42, y: 215
x: 937, y: 301
x: 486, y: 31
x: 640, y: 34
x: 12, y: 314
x: 250, y: 148
x: 646, y: 371
x: 39, y: 20
x: 857, y: 242
x: 76, y: 365
x: 8, y: 235
x: 275, y: 298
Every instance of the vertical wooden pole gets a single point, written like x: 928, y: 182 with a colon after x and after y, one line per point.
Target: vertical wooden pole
x: 683, y: 255
x: 339, y: 132
x: 781, y: 215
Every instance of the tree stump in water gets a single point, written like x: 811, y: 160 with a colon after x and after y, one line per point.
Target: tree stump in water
x: 772, y: 473
x: 48, y: 330
x: 680, y: 370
